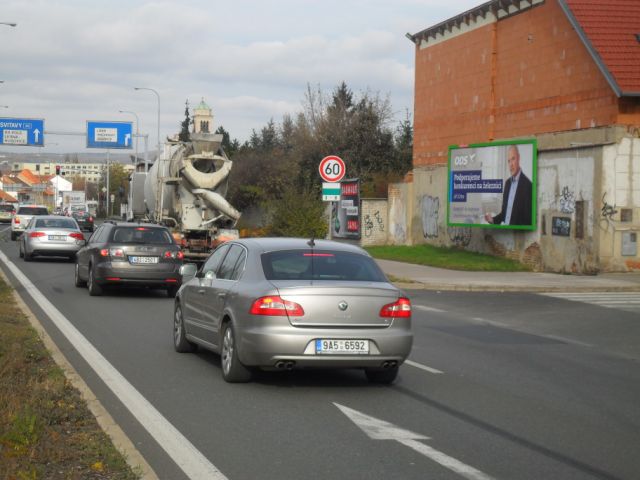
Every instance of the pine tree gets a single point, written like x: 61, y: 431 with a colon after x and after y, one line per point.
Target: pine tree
x: 185, y: 136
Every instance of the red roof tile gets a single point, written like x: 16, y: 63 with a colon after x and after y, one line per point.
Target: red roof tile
x: 5, y: 197
x: 611, y: 28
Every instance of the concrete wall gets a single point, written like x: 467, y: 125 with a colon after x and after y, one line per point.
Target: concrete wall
x: 585, y: 179
x: 620, y: 191
x: 375, y: 221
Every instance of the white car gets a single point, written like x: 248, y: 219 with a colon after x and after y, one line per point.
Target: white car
x: 22, y: 217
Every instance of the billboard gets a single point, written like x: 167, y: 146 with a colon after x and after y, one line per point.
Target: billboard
x: 345, y: 214
x: 493, y: 185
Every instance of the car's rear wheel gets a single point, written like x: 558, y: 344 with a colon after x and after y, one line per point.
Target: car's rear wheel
x: 94, y: 289
x: 77, y: 280
x: 27, y: 256
x: 171, y: 291
x: 20, y: 252
x: 180, y: 342
x: 232, y: 370
x: 386, y: 376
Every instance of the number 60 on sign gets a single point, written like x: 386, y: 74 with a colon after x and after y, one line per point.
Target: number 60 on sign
x: 332, y: 169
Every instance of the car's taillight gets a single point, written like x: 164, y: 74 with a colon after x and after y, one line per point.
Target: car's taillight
x: 77, y: 236
x: 16, y: 219
x: 117, y: 252
x: 169, y: 254
x: 91, y: 219
x: 180, y: 256
x: 398, y: 309
x: 104, y: 252
x: 37, y: 234
x: 275, y: 306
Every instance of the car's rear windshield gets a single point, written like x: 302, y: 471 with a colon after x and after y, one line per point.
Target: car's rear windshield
x: 150, y: 235
x: 32, y: 211
x: 6, y: 208
x: 56, y: 223
x: 320, y: 265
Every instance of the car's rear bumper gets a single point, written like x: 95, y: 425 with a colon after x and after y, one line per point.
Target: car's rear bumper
x: 52, y: 249
x: 266, y: 346
x: 107, y: 274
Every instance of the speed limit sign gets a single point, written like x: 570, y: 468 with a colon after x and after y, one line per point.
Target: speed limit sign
x: 332, y: 168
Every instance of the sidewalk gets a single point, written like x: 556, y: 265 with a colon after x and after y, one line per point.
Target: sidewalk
x: 407, y: 275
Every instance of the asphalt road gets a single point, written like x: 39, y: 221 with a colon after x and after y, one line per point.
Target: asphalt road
x: 505, y: 386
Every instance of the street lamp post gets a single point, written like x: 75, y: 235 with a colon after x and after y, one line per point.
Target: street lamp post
x: 137, y: 131
x: 160, y: 172
x: 146, y: 168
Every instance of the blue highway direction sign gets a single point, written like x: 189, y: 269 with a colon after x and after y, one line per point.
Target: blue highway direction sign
x: 22, y: 131
x: 109, y: 135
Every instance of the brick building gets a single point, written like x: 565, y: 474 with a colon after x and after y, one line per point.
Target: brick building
x: 563, y: 72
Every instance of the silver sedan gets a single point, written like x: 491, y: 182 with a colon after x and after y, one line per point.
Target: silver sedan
x: 285, y: 303
x: 51, y: 235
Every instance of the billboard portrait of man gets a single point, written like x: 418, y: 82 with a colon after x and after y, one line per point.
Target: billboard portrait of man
x: 493, y: 185
x: 516, y: 199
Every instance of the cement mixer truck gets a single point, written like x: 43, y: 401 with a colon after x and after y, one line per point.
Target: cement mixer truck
x: 185, y: 189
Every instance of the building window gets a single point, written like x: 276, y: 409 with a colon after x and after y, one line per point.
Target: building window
x: 626, y: 215
x: 579, y: 219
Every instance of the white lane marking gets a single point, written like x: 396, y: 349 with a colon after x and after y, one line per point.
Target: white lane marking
x: 7, y: 227
x: 428, y: 309
x: 423, y: 367
x: 543, y: 335
x: 193, y: 463
x: 377, y: 429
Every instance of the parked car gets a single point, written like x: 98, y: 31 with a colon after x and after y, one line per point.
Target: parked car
x: 284, y: 303
x: 52, y: 236
x: 22, y: 217
x: 6, y: 212
x: 129, y: 254
x: 84, y: 219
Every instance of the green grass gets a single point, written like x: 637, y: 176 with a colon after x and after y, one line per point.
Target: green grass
x: 442, y: 257
x: 46, y: 429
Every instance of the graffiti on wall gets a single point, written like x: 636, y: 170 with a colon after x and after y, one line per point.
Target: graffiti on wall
x: 567, y: 200
x: 430, y: 212
x: 460, y: 236
x: 371, y: 224
x: 607, y: 212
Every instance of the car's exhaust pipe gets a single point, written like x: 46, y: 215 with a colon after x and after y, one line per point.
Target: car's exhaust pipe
x: 389, y: 364
x: 285, y: 364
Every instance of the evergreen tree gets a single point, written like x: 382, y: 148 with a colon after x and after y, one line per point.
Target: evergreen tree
x: 184, y: 135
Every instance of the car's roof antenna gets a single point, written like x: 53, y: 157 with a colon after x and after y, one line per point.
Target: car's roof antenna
x: 311, y: 243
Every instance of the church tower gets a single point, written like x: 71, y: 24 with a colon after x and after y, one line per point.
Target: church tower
x: 202, y: 118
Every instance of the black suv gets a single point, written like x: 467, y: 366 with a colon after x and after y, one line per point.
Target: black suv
x: 84, y: 219
x: 129, y: 254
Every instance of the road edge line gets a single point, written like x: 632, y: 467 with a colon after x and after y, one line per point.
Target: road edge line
x: 120, y: 387
x: 120, y: 439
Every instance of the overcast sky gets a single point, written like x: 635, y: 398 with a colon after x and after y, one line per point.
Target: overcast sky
x: 70, y: 61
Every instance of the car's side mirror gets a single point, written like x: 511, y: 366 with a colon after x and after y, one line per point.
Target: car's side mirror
x: 188, y: 271
x: 210, y: 275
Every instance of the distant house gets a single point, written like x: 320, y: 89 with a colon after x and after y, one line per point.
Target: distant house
x: 6, y: 198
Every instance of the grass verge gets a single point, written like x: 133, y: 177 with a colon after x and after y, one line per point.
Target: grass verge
x: 46, y: 430
x: 443, y: 257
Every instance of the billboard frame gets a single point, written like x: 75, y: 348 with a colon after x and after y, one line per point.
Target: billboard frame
x: 534, y: 184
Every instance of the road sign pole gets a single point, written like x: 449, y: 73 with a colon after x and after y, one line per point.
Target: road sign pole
x: 108, y: 181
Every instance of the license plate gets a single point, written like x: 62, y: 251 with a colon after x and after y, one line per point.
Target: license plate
x: 57, y: 237
x: 342, y: 347
x: 143, y: 259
